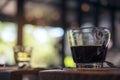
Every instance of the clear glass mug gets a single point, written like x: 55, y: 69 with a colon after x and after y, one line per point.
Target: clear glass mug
x: 89, y: 46
x: 22, y: 55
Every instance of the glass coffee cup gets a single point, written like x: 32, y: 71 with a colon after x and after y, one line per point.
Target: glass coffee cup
x: 89, y: 46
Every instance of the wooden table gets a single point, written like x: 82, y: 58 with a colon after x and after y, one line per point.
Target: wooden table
x: 29, y: 74
x: 80, y: 74
x: 19, y: 74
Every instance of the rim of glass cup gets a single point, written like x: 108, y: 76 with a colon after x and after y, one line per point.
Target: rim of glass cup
x: 22, y: 47
x: 78, y: 28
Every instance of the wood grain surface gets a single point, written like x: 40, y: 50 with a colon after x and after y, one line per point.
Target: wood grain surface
x: 80, y: 74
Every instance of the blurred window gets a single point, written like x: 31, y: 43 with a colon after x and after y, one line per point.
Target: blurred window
x: 46, y: 37
x: 46, y: 44
x: 8, y: 38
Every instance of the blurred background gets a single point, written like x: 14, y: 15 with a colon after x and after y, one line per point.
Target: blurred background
x: 42, y: 24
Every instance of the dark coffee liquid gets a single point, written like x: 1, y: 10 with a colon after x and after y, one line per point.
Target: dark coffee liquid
x: 88, y: 54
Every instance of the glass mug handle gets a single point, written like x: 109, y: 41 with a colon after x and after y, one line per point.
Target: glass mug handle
x: 103, y: 36
x: 107, y: 33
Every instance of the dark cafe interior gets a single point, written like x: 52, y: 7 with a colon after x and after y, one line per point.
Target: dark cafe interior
x: 34, y: 44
